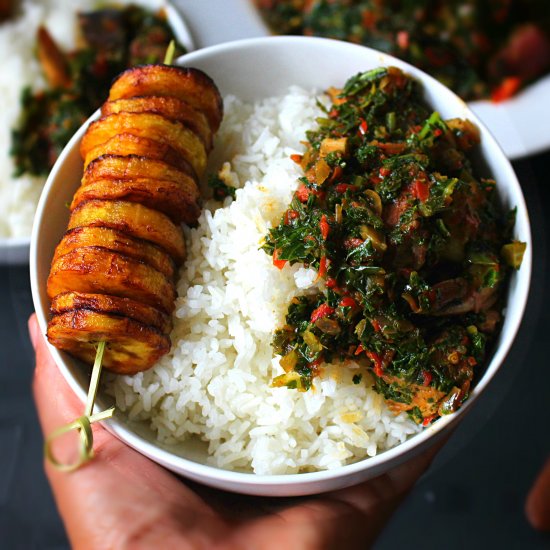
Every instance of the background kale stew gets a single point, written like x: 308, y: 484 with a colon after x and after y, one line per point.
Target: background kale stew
x: 411, y: 249
x: 478, y: 48
x: 112, y: 39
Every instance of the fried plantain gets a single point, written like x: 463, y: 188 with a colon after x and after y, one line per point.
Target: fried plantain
x: 133, y: 219
x: 179, y: 201
x: 99, y: 271
x: 131, y: 346
x: 125, y: 145
x: 53, y: 60
x: 112, y: 305
x: 171, y: 108
x: 191, y: 85
x: 150, y: 126
x: 116, y: 241
x: 131, y: 166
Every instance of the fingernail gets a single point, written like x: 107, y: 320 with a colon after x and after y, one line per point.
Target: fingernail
x: 33, y: 330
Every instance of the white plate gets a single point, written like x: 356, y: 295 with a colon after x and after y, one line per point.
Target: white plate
x: 254, y: 69
x: 15, y: 251
x: 521, y: 125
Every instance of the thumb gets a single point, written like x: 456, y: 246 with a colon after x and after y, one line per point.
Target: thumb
x: 119, y: 494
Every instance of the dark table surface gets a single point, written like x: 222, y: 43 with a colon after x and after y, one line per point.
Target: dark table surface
x: 473, y: 496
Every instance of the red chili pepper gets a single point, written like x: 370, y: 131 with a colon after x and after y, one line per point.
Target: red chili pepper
x: 279, y: 264
x: 363, y: 127
x: 385, y: 171
x: 324, y: 227
x: 359, y: 349
x: 402, y: 39
x: 296, y: 158
x: 427, y: 375
x: 336, y: 173
x: 322, y: 267
x: 322, y: 311
x: 507, y: 88
x: 331, y: 283
x: 319, y: 193
x: 377, y: 360
x: 343, y: 187
x: 303, y: 193
x: 438, y: 132
x: 421, y: 190
x: 290, y: 215
x: 376, y: 325
x: 375, y: 180
x: 428, y: 420
x: 348, y: 301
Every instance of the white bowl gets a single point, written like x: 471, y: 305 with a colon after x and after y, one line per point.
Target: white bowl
x: 15, y: 250
x: 253, y: 69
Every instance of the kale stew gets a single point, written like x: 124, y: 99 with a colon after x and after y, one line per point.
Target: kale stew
x: 112, y: 39
x: 478, y: 48
x: 411, y: 249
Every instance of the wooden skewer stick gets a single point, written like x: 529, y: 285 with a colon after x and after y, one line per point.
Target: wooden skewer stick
x: 82, y: 424
x: 170, y: 51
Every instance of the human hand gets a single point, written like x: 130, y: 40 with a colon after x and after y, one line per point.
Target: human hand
x: 537, y: 507
x: 121, y: 499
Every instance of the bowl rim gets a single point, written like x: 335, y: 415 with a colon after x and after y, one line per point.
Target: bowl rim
x: 209, y: 474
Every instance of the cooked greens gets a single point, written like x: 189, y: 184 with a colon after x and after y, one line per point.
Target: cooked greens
x: 411, y: 249
x: 115, y: 38
x: 479, y: 48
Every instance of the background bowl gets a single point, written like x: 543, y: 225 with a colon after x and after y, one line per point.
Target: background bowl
x: 15, y: 250
x: 519, y: 124
x: 254, y: 69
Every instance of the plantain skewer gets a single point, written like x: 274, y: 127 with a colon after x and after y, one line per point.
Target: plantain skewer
x: 84, y: 423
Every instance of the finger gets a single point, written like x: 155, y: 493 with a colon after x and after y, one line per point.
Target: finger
x: 537, y: 508
x: 378, y: 499
x: 350, y: 518
x: 120, y: 496
x: 391, y: 487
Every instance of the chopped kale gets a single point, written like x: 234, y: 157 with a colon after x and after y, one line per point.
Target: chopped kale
x: 407, y: 247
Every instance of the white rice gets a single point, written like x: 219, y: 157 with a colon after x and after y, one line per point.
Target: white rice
x: 215, y: 382
x: 20, y: 68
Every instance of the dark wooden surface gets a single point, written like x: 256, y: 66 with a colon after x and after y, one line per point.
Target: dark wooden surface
x: 472, y: 497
